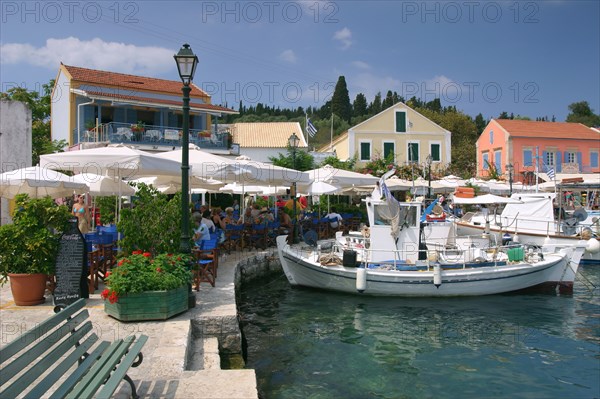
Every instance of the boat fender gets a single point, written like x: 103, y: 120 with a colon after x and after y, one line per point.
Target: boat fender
x: 437, y: 275
x: 361, y: 279
x: 593, y: 246
x: 515, y: 237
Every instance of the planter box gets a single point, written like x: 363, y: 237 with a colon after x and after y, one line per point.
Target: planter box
x: 150, y: 305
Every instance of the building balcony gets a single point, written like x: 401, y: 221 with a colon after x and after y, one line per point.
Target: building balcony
x: 150, y: 137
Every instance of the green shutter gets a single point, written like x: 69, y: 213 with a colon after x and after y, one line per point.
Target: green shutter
x: 388, y: 148
x: 435, y: 152
x: 400, y: 122
x: 365, y: 151
x: 413, y: 152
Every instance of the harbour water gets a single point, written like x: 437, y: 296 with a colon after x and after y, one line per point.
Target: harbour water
x: 305, y: 343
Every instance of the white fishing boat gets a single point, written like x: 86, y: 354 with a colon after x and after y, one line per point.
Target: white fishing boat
x: 532, y: 221
x: 391, y: 259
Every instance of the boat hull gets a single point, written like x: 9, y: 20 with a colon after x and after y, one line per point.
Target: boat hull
x: 301, y: 268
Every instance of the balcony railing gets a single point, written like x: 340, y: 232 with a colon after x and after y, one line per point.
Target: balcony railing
x: 156, y: 136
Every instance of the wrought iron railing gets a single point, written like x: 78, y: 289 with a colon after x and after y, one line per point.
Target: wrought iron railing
x: 126, y: 133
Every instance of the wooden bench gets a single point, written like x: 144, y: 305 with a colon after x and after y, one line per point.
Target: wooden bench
x: 60, y: 358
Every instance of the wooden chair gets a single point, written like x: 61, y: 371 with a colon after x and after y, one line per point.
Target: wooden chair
x: 206, y: 262
x: 234, y: 236
x: 107, y: 259
x: 258, y: 236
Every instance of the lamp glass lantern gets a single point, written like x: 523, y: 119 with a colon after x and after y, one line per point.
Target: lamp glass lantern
x: 186, y: 64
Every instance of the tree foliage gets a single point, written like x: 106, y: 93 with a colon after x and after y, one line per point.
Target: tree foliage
x: 340, y: 102
x: 582, y: 113
x: 304, y: 161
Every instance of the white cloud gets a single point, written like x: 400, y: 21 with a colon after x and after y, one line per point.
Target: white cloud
x: 369, y: 84
x: 95, y: 54
x: 288, y: 56
x: 361, y: 65
x: 344, y: 36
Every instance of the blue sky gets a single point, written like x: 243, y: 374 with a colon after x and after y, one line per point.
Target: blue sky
x: 531, y: 58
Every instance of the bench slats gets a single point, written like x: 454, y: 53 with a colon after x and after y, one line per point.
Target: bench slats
x: 35, y: 352
x: 101, y: 369
x: 70, y: 382
x: 40, y: 366
x: 117, y: 376
x: 59, y: 370
x: 35, y: 333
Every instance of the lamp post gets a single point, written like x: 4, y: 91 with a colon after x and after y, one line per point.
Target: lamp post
x: 428, y: 160
x: 186, y: 65
x: 510, y: 170
x: 294, y: 141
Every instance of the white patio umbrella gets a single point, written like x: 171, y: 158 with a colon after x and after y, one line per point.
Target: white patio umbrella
x: 341, y: 178
x: 101, y: 185
x: 172, y: 184
x: 486, y: 199
x: 318, y: 188
x: 119, y: 160
x: 38, y: 182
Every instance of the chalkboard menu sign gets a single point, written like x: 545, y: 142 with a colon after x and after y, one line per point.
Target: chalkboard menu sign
x: 71, y: 267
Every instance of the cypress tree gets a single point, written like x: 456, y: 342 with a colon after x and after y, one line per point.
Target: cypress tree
x: 340, y: 102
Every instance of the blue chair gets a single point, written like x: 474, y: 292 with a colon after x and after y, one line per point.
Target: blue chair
x: 234, y: 234
x: 258, y: 235
x: 207, y: 260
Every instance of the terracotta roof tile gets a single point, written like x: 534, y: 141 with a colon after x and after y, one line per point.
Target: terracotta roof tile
x: 520, y: 128
x: 84, y: 75
x: 266, y: 134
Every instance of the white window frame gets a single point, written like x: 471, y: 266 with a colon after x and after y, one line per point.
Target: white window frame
x: 484, y: 164
x: 498, y: 165
x: 360, y: 154
x: 432, y: 143
x: 418, y: 143
x: 406, y: 126
x: 383, y: 143
x: 550, y: 158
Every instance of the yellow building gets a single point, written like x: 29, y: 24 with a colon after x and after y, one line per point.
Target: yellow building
x: 398, y: 130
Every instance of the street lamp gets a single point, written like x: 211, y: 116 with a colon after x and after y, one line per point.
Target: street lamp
x: 510, y: 170
x: 428, y: 160
x: 186, y: 66
x: 294, y: 141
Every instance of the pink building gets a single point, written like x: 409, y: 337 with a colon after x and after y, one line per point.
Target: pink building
x: 561, y: 146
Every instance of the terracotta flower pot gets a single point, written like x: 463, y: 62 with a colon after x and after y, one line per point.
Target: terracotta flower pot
x: 28, y: 289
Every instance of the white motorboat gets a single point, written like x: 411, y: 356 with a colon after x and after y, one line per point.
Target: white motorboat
x: 531, y: 221
x: 392, y: 260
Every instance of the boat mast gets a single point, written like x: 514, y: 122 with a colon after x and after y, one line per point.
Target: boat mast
x: 537, y: 161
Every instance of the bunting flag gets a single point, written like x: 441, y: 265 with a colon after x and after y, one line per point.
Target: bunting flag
x: 310, y: 128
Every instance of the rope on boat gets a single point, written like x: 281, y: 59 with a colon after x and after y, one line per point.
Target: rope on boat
x: 330, y: 260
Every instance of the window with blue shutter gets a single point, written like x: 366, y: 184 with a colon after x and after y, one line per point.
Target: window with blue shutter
x: 498, y: 161
x: 485, y: 161
x: 580, y: 161
x: 527, y: 158
x: 594, y: 159
x: 558, y: 161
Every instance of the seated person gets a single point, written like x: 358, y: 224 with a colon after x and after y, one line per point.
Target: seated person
x: 265, y: 216
x: 247, y: 218
x: 216, y: 218
x: 334, y: 215
x: 229, y: 219
x: 201, y: 232
x: 285, y: 221
x: 208, y: 221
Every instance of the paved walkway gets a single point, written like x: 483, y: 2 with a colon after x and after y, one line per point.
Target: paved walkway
x: 181, y: 357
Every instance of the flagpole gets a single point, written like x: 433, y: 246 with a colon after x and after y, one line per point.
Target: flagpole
x: 537, y: 161
x: 306, y: 128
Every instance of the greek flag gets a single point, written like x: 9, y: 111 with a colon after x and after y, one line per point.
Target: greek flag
x: 310, y: 128
x: 550, y: 173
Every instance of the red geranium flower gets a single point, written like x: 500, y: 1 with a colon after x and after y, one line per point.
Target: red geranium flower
x: 104, y: 293
x: 113, y: 297
x: 137, y: 252
x: 158, y: 269
x: 107, y: 275
x: 147, y: 254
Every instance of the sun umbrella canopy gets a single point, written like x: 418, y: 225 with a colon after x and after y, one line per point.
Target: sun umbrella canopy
x: 318, y: 188
x: 37, y: 183
x: 100, y: 185
x: 341, y: 178
x: 119, y: 161
x: 486, y: 199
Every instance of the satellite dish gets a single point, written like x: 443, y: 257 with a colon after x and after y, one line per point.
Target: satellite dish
x: 580, y: 214
x: 310, y: 237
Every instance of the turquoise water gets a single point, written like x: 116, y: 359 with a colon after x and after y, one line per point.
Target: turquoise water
x: 305, y: 343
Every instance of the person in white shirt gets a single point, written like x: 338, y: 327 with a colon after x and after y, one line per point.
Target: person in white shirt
x: 208, y: 222
x: 201, y: 232
x: 334, y: 215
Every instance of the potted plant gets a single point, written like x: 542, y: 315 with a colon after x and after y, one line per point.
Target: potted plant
x: 137, y: 129
x: 142, y: 287
x: 205, y: 133
x: 29, y: 245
